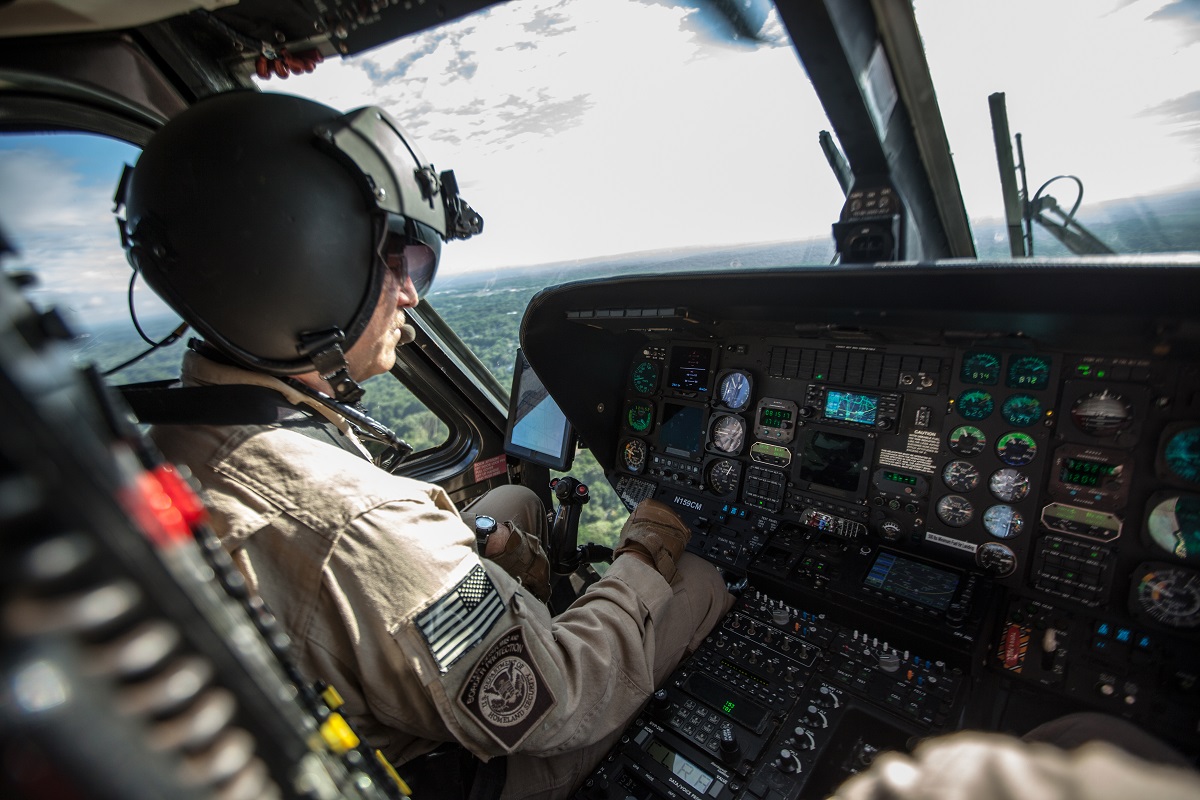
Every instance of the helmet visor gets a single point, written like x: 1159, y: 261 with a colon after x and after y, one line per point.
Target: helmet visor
x: 411, y: 260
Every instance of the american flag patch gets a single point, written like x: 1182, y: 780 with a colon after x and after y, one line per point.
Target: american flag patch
x: 461, y: 618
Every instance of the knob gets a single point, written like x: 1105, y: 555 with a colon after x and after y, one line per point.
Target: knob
x: 661, y: 706
x: 889, y: 661
x: 596, y: 790
x: 731, y: 751
x: 781, y: 616
x: 787, y: 762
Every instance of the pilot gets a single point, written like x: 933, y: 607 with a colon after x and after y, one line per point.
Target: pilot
x: 293, y: 238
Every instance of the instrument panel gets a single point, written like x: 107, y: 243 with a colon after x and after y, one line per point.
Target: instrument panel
x: 1011, y: 491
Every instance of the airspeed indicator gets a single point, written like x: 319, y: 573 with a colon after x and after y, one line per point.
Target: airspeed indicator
x: 645, y: 377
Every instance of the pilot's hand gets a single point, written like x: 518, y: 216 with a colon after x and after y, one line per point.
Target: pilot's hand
x: 655, y: 531
x: 521, y: 555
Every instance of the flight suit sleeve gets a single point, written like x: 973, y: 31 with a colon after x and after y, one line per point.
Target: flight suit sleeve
x: 448, y: 641
x: 545, y: 686
x: 503, y: 676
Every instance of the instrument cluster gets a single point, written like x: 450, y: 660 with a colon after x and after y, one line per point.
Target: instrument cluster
x: 1044, y: 470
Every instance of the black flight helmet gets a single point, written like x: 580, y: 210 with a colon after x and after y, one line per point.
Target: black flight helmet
x: 267, y: 222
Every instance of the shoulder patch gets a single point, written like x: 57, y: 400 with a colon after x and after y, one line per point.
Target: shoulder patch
x: 506, y: 691
x: 461, y: 618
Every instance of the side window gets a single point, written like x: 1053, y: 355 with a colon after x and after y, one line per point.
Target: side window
x: 56, y: 208
x: 390, y: 402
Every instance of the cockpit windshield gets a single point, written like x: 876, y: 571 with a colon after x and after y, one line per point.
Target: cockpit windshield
x: 1102, y: 90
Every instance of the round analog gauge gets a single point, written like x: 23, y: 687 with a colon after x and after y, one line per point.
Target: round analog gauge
x: 961, y: 476
x: 976, y: 404
x: 996, y: 559
x: 1029, y: 372
x: 633, y: 455
x: 1102, y: 413
x: 1168, y: 595
x: 1174, y: 525
x: 1008, y: 485
x: 723, y: 476
x: 1003, y: 522
x: 639, y: 416
x: 983, y: 368
x: 734, y: 390
x: 645, y: 377
x: 967, y: 440
x: 1022, y: 410
x: 1182, y: 454
x: 955, y: 510
x: 1016, y: 449
x: 728, y: 434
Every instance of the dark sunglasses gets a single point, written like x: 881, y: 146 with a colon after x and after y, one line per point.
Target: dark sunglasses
x: 411, y: 260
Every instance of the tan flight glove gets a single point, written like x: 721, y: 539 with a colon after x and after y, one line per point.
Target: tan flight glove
x: 521, y: 555
x: 657, y: 532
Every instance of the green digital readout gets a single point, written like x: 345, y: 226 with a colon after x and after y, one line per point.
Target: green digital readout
x: 899, y: 477
x: 728, y: 706
x: 1083, y: 472
x: 774, y: 417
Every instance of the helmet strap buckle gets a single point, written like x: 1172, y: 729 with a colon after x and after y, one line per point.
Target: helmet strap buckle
x: 324, y: 349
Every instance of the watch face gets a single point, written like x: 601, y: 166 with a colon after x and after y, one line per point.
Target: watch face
x: 484, y: 524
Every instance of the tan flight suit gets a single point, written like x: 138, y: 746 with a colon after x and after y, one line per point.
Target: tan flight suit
x: 378, y: 581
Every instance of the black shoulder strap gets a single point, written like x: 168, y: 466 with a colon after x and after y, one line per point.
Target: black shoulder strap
x: 164, y: 404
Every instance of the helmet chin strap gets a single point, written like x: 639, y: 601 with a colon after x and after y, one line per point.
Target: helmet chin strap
x: 325, y: 351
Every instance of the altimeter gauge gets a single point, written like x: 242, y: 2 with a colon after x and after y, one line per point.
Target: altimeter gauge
x: 723, y: 475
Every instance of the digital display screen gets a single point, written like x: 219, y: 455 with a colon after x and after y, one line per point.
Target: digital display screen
x: 538, y: 431
x: 741, y: 710
x: 1082, y: 472
x: 682, y: 429
x: 689, y: 368
x: 774, y: 417
x: 851, y: 407
x: 911, y: 580
x: 688, y: 772
x: 833, y: 460
x: 899, y: 477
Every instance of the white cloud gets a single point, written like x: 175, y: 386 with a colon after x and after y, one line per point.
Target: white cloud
x: 581, y: 129
x: 63, y: 228
x: 1078, y: 76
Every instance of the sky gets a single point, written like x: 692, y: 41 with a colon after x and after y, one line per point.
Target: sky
x: 587, y: 128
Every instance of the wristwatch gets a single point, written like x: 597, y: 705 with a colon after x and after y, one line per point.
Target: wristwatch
x: 485, y: 526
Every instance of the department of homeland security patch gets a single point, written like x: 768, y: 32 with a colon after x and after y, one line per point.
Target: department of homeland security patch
x: 506, y: 692
x: 461, y: 618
